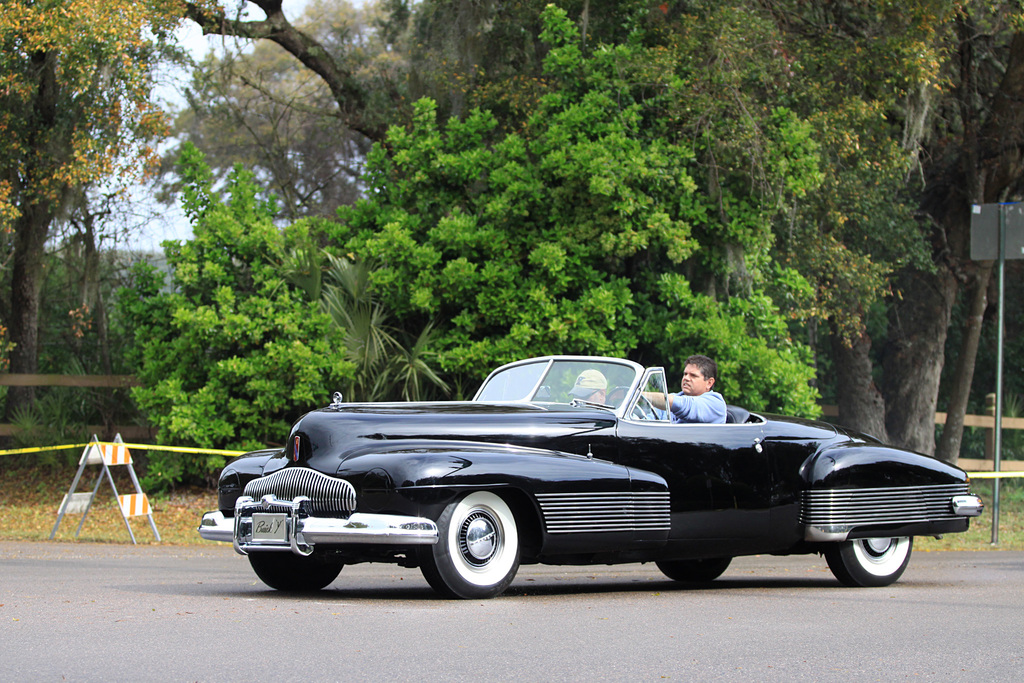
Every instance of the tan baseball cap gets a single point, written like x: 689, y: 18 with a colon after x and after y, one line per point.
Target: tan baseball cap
x: 588, y: 382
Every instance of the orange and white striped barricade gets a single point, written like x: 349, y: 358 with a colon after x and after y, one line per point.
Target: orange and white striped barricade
x: 106, y: 455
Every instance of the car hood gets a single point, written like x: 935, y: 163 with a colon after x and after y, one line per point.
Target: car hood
x: 328, y: 436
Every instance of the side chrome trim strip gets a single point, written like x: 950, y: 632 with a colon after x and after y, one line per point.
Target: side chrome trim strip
x: 568, y: 513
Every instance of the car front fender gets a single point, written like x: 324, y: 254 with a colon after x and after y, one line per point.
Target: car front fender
x: 243, y: 469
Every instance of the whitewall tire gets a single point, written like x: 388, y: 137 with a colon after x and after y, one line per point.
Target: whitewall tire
x: 477, y: 551
x: 870, y: 561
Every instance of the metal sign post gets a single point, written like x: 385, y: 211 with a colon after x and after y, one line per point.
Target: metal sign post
x: 997, y: 455
x: 994, y: 228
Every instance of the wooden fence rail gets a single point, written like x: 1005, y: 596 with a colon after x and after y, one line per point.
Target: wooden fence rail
x: 115, y: 381
x: 985, y: 421
x: 131, y: 432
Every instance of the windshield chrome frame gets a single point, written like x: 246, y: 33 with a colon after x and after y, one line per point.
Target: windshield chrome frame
x: 639, y: 375
x: 635, y: 396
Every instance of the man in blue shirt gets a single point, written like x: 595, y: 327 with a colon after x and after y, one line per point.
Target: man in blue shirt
x: 697, y: 402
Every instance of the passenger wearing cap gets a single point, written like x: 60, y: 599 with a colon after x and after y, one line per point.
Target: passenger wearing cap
x: 590, y: 386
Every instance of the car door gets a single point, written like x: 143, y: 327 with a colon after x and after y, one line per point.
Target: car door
x: 718, y: 474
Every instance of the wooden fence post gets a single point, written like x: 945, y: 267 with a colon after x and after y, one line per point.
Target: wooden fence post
x: 990, y: 432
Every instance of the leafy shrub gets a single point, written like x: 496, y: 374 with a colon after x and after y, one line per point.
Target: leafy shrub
x: 229, y: 354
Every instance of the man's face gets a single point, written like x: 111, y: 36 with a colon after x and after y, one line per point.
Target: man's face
x: 694, y: 383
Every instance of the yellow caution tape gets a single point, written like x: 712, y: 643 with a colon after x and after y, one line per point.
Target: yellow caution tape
x: 994, y: 475
x: 183, y: 449
x: 138, y: 446
x: 17, y: 451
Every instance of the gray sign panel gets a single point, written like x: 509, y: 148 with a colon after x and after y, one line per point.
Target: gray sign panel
x: 985, y: 231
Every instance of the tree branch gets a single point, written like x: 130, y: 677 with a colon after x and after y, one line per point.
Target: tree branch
x: 351, y: 98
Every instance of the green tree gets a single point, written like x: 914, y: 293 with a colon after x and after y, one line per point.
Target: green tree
x: 915, y: 101
x: 912, y: 110
x: 570, y: 237
x: 232, y: 354
x: 258, y: 106
x: 75, y: 81
x: 852, y: 68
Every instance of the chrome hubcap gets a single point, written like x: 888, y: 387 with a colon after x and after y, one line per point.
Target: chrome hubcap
x: 478, y: 538
x: 877, y: 547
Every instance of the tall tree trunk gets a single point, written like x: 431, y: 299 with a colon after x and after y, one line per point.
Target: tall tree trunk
x: 974, y: 191
x: 31, y: 229
x: 914, y: 356
x: 860, y: 403
x: 27, y: 273
x: 988, y: 168
x: 92, y: 293
x: 960, y: 392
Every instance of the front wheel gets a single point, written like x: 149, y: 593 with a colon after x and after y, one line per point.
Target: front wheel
x: 694, y: 571
x: 477, y: 552
x: 869, y: 561
x: 293, y: 573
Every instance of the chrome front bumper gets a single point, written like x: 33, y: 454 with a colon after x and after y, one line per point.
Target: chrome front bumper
x: 300, y: 531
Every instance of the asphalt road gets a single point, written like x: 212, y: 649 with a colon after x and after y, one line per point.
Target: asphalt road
x: 84, y: 612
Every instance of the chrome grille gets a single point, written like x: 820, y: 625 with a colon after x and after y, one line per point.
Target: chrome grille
x: 890, y: 505
x: 567, y: 513
x: 327, y: 495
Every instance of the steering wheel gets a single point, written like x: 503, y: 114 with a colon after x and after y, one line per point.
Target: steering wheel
x: 643, y: 410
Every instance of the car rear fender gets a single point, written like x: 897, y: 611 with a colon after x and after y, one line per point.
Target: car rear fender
x: 864, y: 465
x: 861, y: 490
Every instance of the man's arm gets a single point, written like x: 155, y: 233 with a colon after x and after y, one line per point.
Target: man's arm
x: 656, y: 398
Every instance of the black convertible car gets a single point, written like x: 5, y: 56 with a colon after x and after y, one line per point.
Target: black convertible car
x: 527, y: 472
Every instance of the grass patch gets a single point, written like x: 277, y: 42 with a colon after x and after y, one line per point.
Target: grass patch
x: 979, y: 536
x: 30, y: 499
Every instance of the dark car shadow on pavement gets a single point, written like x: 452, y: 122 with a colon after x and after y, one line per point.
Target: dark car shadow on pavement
x: 414, y: 592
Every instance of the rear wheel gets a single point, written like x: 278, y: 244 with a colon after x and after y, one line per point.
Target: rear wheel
x: 695, y: 571
x: 292, y: 573
x: 869, y: 561
x: 477, y: 552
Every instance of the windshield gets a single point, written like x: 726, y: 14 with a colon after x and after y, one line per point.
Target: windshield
x: 591, y: 380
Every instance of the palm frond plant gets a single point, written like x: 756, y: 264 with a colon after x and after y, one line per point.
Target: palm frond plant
x: 388, y: 365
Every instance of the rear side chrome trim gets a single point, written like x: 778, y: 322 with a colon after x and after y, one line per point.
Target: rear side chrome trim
x: 830, y: 514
